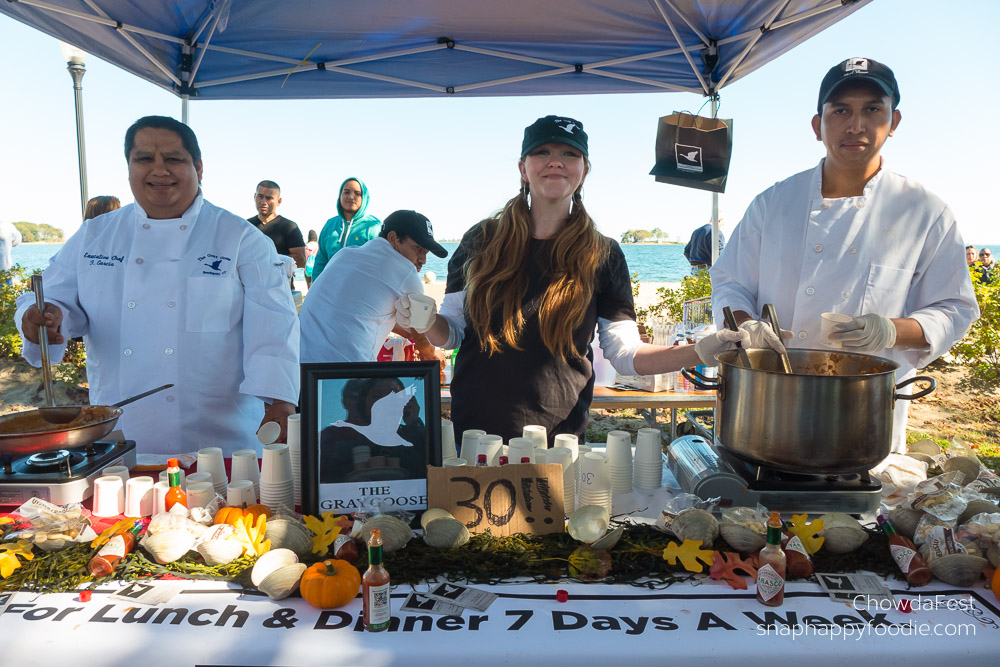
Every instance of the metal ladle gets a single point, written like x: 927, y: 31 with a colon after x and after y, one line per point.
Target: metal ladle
x: 771, y: 315
x: 43, y: 343
x: 730, y: 319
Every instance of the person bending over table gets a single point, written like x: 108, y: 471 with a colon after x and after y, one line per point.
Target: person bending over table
x: 852, y: 237
x: 525, y: 291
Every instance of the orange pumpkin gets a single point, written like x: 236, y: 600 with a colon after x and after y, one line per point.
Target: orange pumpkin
x: 230, y: 515
x: 995, y: 583
x: 330, y: 583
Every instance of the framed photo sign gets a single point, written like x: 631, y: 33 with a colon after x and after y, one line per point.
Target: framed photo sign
x: 369, y: 431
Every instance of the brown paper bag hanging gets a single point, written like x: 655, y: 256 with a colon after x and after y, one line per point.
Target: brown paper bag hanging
x: 693, y: 151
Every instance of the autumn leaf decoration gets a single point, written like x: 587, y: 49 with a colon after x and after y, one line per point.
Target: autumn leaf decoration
x: 728, y: 566
x: 9, y: 553
x: 588, y: 563
x: 251, y: 534
x: 689, y: 554
x: 325, y: 531
x: 807, y: 532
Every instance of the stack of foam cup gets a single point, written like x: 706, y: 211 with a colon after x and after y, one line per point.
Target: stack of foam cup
x: 210, y: 461
x: 490, y: 445
x: 120, y: 471
x: 241, y: 492
x: 196, y: 477
x: 276, y: 486
x: 564, y: 457
x: 595, y: 482
x: 648, y: 464
x: 580, y: 451
x: 448, y: 450
x: 470, y: 445
x: 541, y: 455
x: 572, y: 443
x: 520, y: 448
x: 246, y: 466
x: 160, y: 497
x: 164, y: 477
x: 538, y: 434
x: 200, y: 494
x: 619, y: 450
x: 139, y: 497
x: 109, y: 496
x: 294, y: 439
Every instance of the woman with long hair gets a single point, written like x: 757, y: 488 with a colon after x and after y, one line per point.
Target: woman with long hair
x: 526, y: 289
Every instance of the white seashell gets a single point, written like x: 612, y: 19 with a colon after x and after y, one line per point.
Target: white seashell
x: 609, y: 541
x: 287, y: 534
x: 270, y: 562
x: 958, y: 569
x: 434, y: 513
x: 975, y: 507
x: 445, y: 533
x: 926, y: 446
x: 742, y: 538
x: 169, y: 545
x: 695, y: 524
x: 993, y: 555
x: 395, y: 533
x: 967, y: 465
x: 588, y: 523
x: 920, y: 456
x: 220, y: 552
x: 905, y: 520
x: 174, y: 521
x: 282, y: 582
x: 842, y: 532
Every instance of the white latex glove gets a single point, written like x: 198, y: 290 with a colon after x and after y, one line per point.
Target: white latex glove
x: 762, y: 336
x: 709, y: 347
x: 402, y: 307
x: 868, y: 333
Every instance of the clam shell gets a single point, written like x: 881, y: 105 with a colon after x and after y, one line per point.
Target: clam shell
x: 588, y: 523
x: 169, y: 545
x: 967, y: 465
x: 975, y: 507
x: 958, y: 569
x: 741, y: 538
x: 905, y: 520
x: 445, y: 533
x: 434, y: 513
x: 270, y: 562
x: 696, y: 525
x: 395, y: 533
x: 285, y: 534
x: 993, y: 555
x: 282, y: 582
x: 924, y: 458
x: 842, y: 532
x: 926, y: 446
x: 610, y: 540
x: 220, y: 552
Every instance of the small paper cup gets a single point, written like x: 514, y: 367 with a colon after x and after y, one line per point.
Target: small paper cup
x: 139, y: 497
x: 538, y: 434
x: 239, y: 492
x: 827, y: 322
x: 421, y: 309
x: 109, y: 496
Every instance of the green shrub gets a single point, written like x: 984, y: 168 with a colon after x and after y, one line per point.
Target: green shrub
x: 10, y: 340
x: 670, y: 300
x: 980, y: 348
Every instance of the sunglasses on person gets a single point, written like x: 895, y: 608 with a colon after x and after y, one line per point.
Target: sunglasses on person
x: 985, y: 254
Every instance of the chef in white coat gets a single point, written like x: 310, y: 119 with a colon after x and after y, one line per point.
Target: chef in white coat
x: 174, y: 289
x: 852, y: 237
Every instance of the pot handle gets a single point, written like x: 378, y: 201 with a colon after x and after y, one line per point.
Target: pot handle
x: 919, y: 394
x: 701, y: 381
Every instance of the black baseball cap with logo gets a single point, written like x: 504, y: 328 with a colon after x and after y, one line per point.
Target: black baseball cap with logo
x: 858, y: 69
x: 554, y: 129
x: 415, y: 226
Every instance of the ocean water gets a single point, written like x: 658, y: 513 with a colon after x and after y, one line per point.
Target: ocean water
x: 653, y: 263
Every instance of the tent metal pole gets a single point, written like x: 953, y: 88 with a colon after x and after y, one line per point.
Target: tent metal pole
x: 715, y: 196
x: 135, y: 44
x: 184, y: 109
x: 111, y: 23
x: 677, y: 38
x: 752, y: 43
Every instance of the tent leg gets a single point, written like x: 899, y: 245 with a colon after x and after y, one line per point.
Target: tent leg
x: 715, y: 196
x: 184, y: 109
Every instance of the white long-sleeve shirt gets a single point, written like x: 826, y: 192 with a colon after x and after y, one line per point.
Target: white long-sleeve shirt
x: 9, y: 238
x: 200, y: 301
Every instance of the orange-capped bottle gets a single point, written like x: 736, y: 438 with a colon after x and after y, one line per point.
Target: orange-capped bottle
x: 771, y: 573
x: 375, y: 587
x: 175, y: 494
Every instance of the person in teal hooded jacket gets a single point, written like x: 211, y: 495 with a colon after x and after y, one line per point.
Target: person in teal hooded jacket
x: 353, y: 226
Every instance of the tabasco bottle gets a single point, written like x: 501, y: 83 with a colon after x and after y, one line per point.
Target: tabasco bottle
x: 375, y: 587
x: 175, y: 494
x: 111, y: 554
x: 771, y: 573
x: 905, y: 554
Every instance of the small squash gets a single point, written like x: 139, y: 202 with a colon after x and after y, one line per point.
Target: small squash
x: 230, y: 515
x: 330, y: 583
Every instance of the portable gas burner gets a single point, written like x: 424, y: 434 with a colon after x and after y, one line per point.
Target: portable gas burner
x: 62, y: 476
x: 712, y: 471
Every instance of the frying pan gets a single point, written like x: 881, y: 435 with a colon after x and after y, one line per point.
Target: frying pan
x: 29, y: 432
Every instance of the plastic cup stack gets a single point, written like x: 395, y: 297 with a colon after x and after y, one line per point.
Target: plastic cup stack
x: 580, y: 451
x: 453, y: 462
x: 564, y: 457
x: 490, y: 445
x: 120, y: 471
x: 470, y: 445
x: 538, y: 434
x: 276, y: 486
x: 109, y: 496
x: 448, y: 450
x: 541, y: 455
x: 246, y: 466
x: 241, y: 491
x: 648, y: 465
x: 160, y: 497
x: 200, y: 494
x: 294, y: 438
x: 519, y: 448
x: 595, y: 481
x: 210, y: 461
x: 196, y: 477
x: 620, y: 461
x: 139, y: 497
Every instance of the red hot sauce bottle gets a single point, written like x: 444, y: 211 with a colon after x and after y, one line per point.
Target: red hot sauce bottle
x: 905, y: 554
x: 375, y: 587
x: 771, y: 573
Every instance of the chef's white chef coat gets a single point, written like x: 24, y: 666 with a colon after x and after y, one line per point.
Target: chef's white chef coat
x: 350, y: 308
x: 895, y: 250
x: 200, y: 301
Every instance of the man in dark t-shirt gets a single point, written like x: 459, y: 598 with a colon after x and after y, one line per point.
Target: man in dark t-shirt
x: 283, y: 232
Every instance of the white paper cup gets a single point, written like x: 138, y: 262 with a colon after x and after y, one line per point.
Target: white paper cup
x: 453, y: 462
x: 518, y: 448
x: 139, y: 497
x: 421, y: 309
x: 245, y: 466
x: 164, y: 477
x: 490, y: 445
x: 200, y: 494
x: 160, y: 497
x: 538, y: 434
x: 239, y: 492
x: 268, y: 432
x: 594, y: 478
x: 196, y: 477
x: 121, y: 471
x: 276, y: 464
x: 827, y: 322
x: 448, y: 450
x: 541, y: 455
x: 109, y: 496
x: 560, y: 455
x: 647, y: 446
x: 570, y: 442
x: 470, y: 445
x: 293, y: 436
x: 619, y: 448
x: 210, y: 461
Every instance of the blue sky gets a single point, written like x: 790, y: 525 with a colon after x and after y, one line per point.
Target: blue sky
x: 455, y: 159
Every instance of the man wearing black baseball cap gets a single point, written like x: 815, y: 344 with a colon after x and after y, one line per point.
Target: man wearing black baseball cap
x: 851, y: 237
x: 350, y: 308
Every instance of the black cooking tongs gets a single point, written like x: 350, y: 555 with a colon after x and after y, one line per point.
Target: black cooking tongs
x: 727, y: 314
